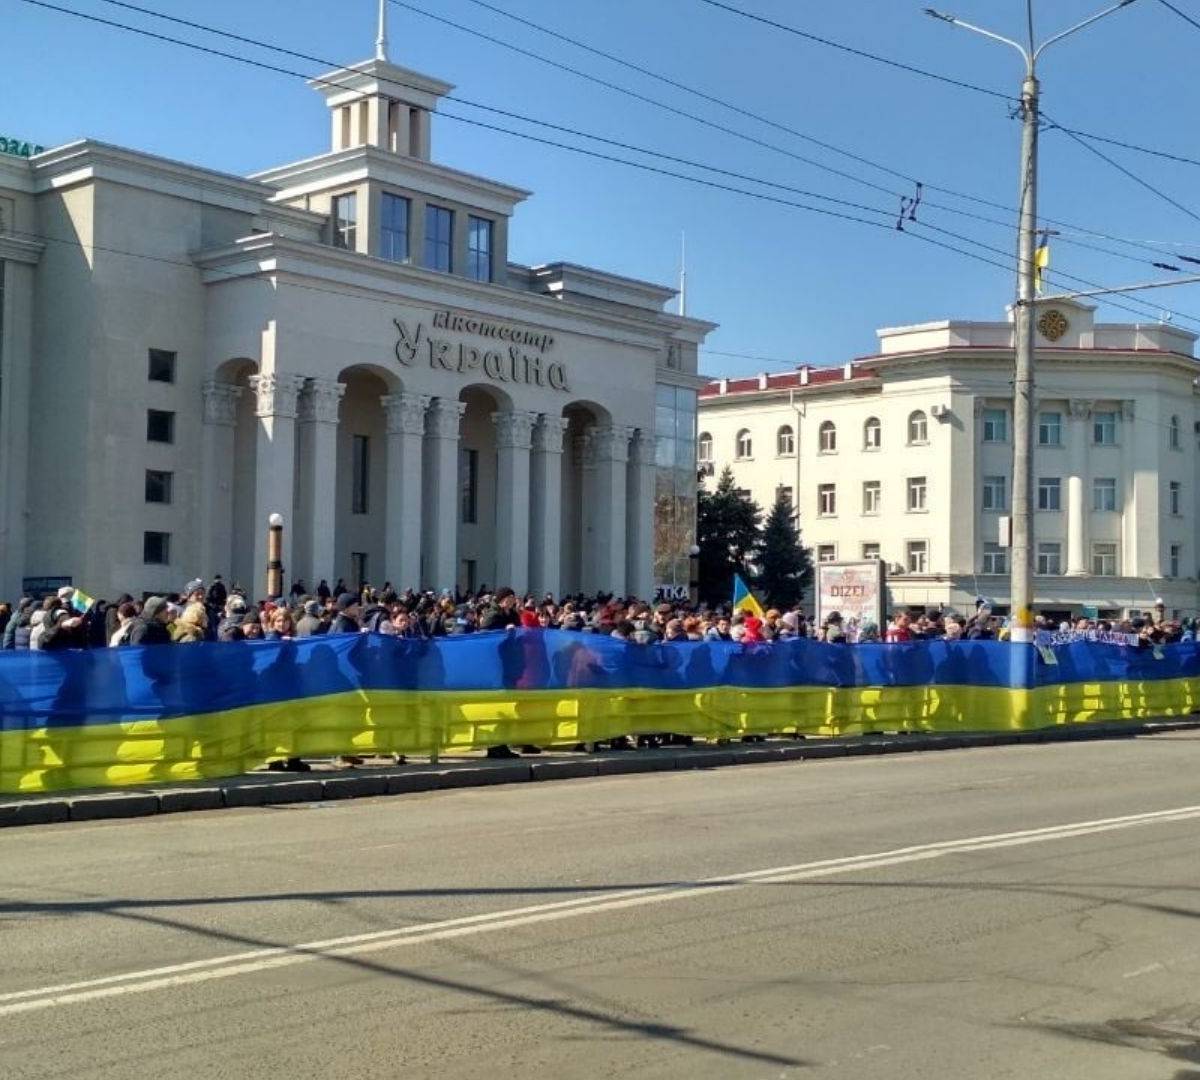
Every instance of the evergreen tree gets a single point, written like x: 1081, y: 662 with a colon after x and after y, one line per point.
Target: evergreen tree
x: 727, y: 535
x: 785, y: 567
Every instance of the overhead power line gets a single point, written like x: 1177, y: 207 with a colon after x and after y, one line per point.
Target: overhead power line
x: 575, y: 149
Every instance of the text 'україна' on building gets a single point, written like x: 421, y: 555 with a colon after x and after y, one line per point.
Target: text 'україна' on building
x: 907, y: 456
x: 344, y: 342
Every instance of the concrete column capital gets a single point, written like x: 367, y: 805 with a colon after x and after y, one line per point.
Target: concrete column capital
x: 220, y: 403
x: 277, y: 393
x: 405, y: 413
x: 444, y: 417
x: 607, y: 443
x: 320, y: 400
x: 514, y: 430
x: 1080, y: 409
x: 548, y: 434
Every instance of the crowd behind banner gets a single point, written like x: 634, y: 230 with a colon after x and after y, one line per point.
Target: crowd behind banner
x: 70, y: 619
x: 92, y: 700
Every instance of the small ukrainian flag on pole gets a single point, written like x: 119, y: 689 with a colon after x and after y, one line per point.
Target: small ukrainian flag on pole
x: 743, y: 598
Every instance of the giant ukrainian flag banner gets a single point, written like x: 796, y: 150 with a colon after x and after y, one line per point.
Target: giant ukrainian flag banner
x: 140, y: 716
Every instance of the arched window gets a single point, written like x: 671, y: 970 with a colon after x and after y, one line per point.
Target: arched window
x: 745, y: 445
x: 872, y: 434
x: 785, y: 441
x: 1174, y: 429
x: 918, y: 428
x: 828, y: 437
x: 704, y: 449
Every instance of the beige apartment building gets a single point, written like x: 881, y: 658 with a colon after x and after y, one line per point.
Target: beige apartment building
x: 906, y: 456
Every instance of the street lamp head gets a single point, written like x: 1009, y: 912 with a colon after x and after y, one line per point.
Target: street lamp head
x: 694, y: 550
x: 275, y: 521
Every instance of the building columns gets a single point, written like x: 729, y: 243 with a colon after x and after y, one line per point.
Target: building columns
x: 402, y: 528
x: 275, y: 467
x: 440, y: 563
x: 546, y: 510
x: 1077, y: 511
x: 514, y: 438
x: 606, y: 453
x: 318, y: 407
x: 216, y: 476
x: 639, y: 548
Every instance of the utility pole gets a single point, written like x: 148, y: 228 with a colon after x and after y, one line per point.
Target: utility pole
x: 1021, y: 589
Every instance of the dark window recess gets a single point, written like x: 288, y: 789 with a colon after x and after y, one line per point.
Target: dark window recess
x: 158, y: 486
x: 160, y: 426
x: 361, y: 480
x: 162, y: 366
x: 156, y: 548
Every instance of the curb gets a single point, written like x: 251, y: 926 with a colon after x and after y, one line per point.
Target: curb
x: 257, y: 791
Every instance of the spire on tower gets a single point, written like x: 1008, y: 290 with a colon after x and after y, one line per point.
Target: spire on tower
x: 381, y: 41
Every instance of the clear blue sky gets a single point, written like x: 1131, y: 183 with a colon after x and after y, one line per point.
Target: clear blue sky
x: 782, y: 283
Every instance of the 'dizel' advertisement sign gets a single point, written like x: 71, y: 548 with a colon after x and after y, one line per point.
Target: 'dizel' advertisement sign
x: 854, y: 589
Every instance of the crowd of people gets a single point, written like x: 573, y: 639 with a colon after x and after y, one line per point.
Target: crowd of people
x: 213, y: 612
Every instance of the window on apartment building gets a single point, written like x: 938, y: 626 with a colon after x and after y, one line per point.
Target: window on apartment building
x: 1104, y: 560
x: 1104, y: 493
x: 872, y: 434
x: 393, y: 227
x: 826, y: 553
x: 704, y: 448
x: 784, y: 494
x: 1049, y: 558
x: 156, y: 548
x: 1050, y: 429
x: 360, y: 481
x: 159, y: 486
x: 1174, y: 560
x: 995, y: 493
x: 745, y: 445
x: 785, y: 441
x: 917, y: 554
x: 918, y: 428
x: 870, y: 550
x: 161, y: 364
x: 160, y: 426
x: 872, y: 496
x: 916, y: 493
x: 1173, y: 433
x: 995, y: 558
x: 345, y: 221
x: 1175, y: 498
x: 995, y: 425
x: 1049, y: 493
x: 439, y: 238
x: 827, y: 434
x: 1104, y: 428
x: 479, y: 248
x: 826, y: 500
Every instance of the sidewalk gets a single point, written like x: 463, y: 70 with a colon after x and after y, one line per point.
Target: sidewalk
x: 376, y: 777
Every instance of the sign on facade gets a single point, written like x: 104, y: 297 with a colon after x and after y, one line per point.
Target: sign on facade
x: 853, y: 589
x: 38, y: 587
x: 18, y: 147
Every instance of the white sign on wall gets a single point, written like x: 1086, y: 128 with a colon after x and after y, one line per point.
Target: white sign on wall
x: 853, y: 589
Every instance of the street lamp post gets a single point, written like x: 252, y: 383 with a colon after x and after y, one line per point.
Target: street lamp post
x: 275, y: 556
x: 1021, y: 589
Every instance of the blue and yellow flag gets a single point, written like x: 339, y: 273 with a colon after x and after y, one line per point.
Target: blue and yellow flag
x: 1041, y: 263
x: 81, y: 602
x: 743, y: 598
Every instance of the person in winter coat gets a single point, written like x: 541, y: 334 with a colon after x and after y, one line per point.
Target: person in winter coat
x: 127, y: 613
x: 309, y: 624
x: 150, y: 628
x: 16, y: 633
x: 191, y: 626
x: 348, y: 611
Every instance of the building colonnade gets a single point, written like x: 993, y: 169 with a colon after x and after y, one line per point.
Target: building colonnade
x: 295, y: 471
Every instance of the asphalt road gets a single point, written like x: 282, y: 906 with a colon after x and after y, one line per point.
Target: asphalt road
x: 1028, y: 911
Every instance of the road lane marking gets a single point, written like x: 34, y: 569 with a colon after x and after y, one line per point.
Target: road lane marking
x: 256, y: 960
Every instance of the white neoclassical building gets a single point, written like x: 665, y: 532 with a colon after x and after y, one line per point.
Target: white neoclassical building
x: 906, y: 456
x: 343, y: 341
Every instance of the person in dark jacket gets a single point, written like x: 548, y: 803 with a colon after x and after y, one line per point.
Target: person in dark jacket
x: 309, y: 624
x: 348, y: 611
x: 502, y: 612
x: 63, y: 630
x: 151, y: 627
x: 323, y: 592
x: 16, y: 633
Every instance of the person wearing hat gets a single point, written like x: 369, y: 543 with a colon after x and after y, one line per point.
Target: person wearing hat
x: 309, y: 624
x: 348, y: 609
x: 230, y: 628
x: 16, y: 633
x: 150, y: 628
